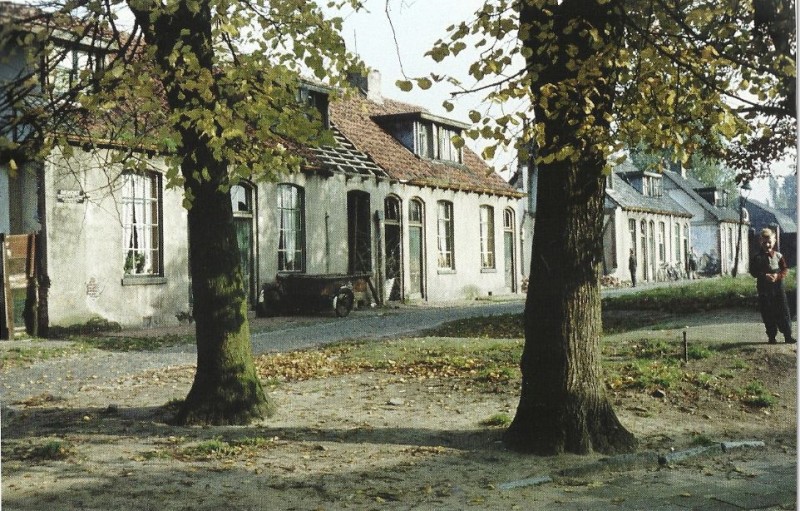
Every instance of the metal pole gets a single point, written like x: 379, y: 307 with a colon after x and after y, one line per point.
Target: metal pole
x: 685, y: 348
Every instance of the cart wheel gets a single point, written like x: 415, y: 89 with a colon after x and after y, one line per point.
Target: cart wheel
x: 343, y: 302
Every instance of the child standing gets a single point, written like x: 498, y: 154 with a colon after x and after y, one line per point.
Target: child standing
x: 769, y: 268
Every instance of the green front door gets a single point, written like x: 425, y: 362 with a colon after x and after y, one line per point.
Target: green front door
x: 244, y: 236
x: 243, y: 214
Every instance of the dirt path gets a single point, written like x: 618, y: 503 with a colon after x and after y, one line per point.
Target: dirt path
x: 380, y: 441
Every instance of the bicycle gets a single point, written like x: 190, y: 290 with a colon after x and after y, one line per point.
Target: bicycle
x: 668, y: 272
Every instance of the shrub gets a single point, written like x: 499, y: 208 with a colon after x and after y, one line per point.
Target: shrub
x: 497, y: 420
x: 756, y: 394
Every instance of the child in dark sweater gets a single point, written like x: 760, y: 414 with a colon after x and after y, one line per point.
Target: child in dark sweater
x: 769, y: 268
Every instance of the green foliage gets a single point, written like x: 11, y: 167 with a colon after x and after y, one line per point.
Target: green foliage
x: 649, y: 375
x: 229, y: 71
x: 44, y: 450
x: 688, y: 78
x: 485, y: 362
x: 130, y: 343
x: 213, y: 449
x: 709, y: 294
x: 738, y: 363
x: 25, y: 356
x: 756, y: 394
x: 705, y: 295
x: 702, y: 440
x: 500, y: 326
x: 500, y: 420
x: 699, y: 352
x: 96, y: 325
x: 649, y: 349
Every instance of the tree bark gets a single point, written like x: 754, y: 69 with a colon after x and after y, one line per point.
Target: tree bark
x: 226, y: 388
x: 563, y: 406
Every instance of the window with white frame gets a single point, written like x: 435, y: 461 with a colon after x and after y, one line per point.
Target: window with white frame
x: 652, y: 186
x: 436, y: 142
x: 141, y: 224
x: 291, y: 228
x: 632, y: 231
x: 487, y: 237
x: 445, y: 235
x: 677, y: 242
x: 68, y: 66
x: 662, y: 242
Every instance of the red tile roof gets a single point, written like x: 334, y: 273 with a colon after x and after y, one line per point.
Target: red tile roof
x: 354, y: 116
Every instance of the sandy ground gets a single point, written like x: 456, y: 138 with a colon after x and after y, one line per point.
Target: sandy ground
x: 371, y: 441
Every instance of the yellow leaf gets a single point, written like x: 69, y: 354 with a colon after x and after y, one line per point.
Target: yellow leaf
x: 404, y: 85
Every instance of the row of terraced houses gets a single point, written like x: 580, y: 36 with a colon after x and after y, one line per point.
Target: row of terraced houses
x: 392, y: 198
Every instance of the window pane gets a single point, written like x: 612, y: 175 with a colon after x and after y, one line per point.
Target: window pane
x: 391, y: 208
x: 415, y: 211
x: 141, y: 226
x: 445, y: 235
x: 291, y: 244
x: 487, y: 236
x: 241, y: 199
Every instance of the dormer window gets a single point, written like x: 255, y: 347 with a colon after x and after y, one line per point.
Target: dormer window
x: 317, y: 98
x: 435, y: 142
x: 69, y: 66
x: 715, y: 197
x: 652, y: 185
x: 428, y: 136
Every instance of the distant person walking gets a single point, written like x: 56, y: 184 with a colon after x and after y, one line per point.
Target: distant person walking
x: 769, y: 269
x: 632, y: 267
x: 692, y: 264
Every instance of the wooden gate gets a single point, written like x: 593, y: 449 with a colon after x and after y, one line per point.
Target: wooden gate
x: 18, y: 300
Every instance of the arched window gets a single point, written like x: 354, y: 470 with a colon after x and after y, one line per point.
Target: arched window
x: 242, y: 199
x: 509, y: 242
x: 416, y: 247
x: 393, y: 246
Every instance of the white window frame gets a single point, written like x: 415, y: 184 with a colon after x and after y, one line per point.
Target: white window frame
x: 66, y: 64
x: 487, y: 238
x: 142, y: 236
x: 445, y: 235
x: 290, y: 210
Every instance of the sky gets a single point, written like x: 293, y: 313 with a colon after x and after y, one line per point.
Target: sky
x: 418, y: 24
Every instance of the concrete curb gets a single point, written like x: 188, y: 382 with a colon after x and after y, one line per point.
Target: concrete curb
x: 626, y: 462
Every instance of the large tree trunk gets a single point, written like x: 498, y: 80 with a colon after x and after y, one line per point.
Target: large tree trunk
x: 563, y: 406
x: 226, y: 388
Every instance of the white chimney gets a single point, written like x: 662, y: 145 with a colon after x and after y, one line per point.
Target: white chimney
x: 370, y: 85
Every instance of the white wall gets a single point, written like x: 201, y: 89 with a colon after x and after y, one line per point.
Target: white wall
x: 85, y: 256
x: 326, y: 233
x: 621, y: 237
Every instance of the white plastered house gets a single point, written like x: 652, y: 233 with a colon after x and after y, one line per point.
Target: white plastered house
x: 393, y: 197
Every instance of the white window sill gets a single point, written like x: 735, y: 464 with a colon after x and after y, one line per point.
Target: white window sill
x: 143, y: 280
